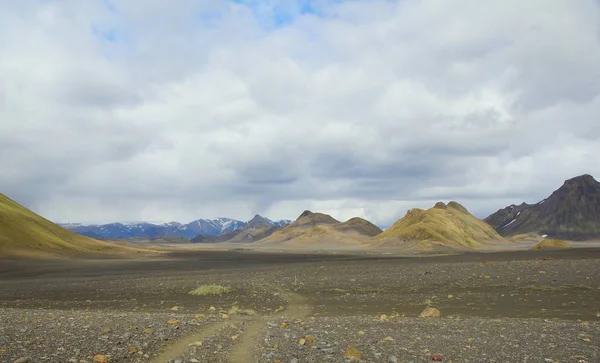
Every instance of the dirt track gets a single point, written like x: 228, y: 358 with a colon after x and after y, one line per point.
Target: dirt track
x: 528, y: 301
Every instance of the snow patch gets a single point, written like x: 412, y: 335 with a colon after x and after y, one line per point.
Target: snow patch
x: 544, y: 235
x: 542, y: 202
x: 508, y: 224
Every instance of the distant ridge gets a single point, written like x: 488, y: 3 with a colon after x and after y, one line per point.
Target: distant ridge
x: 253, y: 230
x: 571, y: 212
x: 205, y: 227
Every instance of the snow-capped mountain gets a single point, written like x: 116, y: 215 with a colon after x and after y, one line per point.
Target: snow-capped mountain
x: 208, y: 227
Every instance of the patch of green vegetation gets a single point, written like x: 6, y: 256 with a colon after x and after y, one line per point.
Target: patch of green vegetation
x: 554, y: 288
x: 550, y: 244
x: 237, y: 310
x: 211, y: 289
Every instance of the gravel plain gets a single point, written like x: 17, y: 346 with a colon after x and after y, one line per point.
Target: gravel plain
x: 495, y: 307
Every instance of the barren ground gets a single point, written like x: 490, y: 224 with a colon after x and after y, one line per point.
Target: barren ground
x: 517, y: 306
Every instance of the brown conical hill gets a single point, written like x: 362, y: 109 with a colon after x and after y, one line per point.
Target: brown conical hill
x: 310, y: 219
x: 358, y: 225
x: 26, y: 234
x: 448, y: 225
x: 321, y: 229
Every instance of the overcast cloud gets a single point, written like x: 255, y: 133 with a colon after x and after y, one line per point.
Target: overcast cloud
x: 120, y: 110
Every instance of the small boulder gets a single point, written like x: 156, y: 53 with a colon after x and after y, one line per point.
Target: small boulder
x: 99, y: 358
x: 430, y: 313
x: 352, y: 353
x: 22, y: 360
x: 436, y: 357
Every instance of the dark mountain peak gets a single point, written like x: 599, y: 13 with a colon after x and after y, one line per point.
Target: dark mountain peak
x: 306, y: 213
x: 440, y: 205
x: 581, y: 180
x: 258, y: 221
x: 570, y: 212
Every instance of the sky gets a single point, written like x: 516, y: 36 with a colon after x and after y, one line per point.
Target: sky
x: 148, y: 110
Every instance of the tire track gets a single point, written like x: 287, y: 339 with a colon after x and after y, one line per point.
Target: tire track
x: 244, y: 351
x: 179, y: 347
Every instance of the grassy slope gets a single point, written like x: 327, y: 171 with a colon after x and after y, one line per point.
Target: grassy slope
x: 26, y: 234
x: 452, y: 226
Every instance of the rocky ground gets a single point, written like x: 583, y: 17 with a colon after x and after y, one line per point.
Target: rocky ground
x: 494, y: 307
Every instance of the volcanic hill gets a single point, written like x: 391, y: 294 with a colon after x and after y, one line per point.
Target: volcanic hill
x: 443, y: 225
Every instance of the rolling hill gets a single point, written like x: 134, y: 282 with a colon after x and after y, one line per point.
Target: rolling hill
x: 443, y: 225
x: 321, y: 229
x: 571, y: 212
x: 26, y: 234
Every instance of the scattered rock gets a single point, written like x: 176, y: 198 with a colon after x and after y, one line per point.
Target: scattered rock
x: 99, y: 358
x: 430, y: 313
x: 388, y: 339
x: 148, y: 331
x: 284, y: 325
x: 352, y: 353
x: 175, y: 308
x: 199, y: 316
x: 173, y: 322
x: 132, y: 349
x: 392, y: 359
x: 106, y: 330
x: 224, y: 316
x: 22, y: 360
x: 310, y: 339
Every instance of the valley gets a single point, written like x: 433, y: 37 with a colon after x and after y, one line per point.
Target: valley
x: 439, y: 284
x: 304, y: 306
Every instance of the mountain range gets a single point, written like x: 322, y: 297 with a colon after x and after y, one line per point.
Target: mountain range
x: 571, y: 212
x: 204, y: 227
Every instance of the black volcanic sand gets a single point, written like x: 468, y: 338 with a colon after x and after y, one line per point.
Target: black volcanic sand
x: 521, y: 306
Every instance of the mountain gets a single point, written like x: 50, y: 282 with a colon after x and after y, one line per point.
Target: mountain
x: 26, y: 234
x: 207, y: 227
x: 442, y: 225
x: 322, y: 229
x: 571, y: 212
x: 253, y: 230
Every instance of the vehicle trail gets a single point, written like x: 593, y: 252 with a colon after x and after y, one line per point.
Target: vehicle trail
x: 245, y: 349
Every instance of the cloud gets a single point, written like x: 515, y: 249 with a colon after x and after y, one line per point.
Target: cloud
x: 130, y: 110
